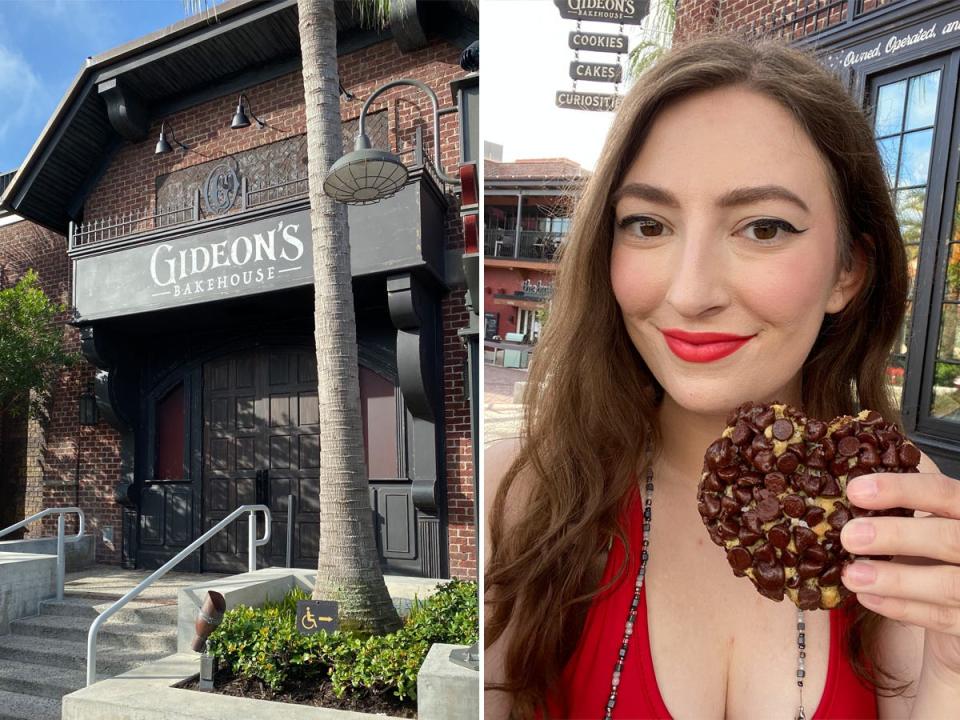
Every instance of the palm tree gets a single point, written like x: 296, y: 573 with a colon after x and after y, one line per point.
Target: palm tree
x: 348, y: 568
x: 656, y: 38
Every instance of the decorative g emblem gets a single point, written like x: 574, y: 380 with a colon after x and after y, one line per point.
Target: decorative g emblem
x: 221, y: 188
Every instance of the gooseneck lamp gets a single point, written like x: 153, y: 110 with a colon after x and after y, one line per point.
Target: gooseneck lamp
x: 368, y: 175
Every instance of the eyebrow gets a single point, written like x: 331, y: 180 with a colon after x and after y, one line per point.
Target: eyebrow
x: 733, y: 198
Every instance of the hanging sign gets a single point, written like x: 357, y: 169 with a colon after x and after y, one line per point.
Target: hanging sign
x: 626, y: 12
x: 598, y: 42
x: 596, y: 72
x: 573, y: 100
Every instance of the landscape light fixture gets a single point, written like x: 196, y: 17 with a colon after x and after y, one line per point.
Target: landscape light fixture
x: 163, y: 147
x: 209, y: 617
x: 368, y: 175
x: 240, y: 119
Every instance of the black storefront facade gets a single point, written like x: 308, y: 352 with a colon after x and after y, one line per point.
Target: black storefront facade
x: 901, y: 62
x: 197, y: 312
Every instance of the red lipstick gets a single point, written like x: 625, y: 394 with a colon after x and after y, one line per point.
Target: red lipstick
x: 703, y: 347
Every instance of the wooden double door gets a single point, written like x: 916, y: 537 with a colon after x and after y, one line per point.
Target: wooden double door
x: 261, y: 444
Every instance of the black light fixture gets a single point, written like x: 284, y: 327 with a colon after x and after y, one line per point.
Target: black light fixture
x: 88, y: 406
x: 163, y: 147
x: 240, y: 119
x: 367, y: 175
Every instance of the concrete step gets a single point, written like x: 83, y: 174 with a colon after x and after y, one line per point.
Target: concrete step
x: 14, y: 706
x: 135, y: 611
x: 113, y: 633
x: 70, y: 655
x: 40, y: 680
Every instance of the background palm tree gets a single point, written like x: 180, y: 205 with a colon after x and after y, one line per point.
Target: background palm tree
x: 656, y: 38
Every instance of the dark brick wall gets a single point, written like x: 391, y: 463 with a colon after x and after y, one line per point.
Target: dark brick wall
x: 129, y: 184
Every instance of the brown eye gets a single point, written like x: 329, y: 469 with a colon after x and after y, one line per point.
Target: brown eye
x: 641, y: 225
x: 765, y: 232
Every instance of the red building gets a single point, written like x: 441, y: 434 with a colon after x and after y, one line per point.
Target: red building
x: 180, y: 238
x: 527, y: 207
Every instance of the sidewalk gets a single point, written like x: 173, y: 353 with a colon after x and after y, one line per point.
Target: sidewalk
x: 501, y: 415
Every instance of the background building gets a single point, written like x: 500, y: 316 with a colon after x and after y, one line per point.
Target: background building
x: 900, y: 60
x: 527, y: 207
x: 180, y: 237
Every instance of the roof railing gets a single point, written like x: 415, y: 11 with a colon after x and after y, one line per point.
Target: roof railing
x: 252, y: 544
x: 61, y: 540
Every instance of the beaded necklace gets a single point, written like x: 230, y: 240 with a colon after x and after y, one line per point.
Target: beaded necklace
x: 632, y: 615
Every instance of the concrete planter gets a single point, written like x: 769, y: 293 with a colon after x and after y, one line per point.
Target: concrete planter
x: 445, y: 690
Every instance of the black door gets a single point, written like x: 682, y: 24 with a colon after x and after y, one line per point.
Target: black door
x: 261, y: 444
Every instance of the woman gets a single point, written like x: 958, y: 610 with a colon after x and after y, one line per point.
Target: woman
x: 739, y: 192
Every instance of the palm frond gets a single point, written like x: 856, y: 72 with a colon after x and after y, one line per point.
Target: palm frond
x: 373, y: 13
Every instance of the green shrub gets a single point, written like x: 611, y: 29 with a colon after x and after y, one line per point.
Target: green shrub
x: 263, y: 643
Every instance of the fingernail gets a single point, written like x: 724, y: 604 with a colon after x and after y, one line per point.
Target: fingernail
x: 860, y: 532
x: 862, y: 488
x: 860, y: 573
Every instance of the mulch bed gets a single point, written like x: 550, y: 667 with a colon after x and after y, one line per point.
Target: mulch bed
x: 318, y: 692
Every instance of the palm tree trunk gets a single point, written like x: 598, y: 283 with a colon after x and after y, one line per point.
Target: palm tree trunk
x: 348, y: 569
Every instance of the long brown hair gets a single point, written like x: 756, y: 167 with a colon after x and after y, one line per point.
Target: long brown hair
x: 589, y: 415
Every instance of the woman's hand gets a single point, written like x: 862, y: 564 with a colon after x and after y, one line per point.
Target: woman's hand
x: 921, y: 585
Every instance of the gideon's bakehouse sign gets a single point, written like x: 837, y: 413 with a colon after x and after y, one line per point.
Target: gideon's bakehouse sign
x: 943, y: 31
x: 627, y: 12
x: 256, y: 257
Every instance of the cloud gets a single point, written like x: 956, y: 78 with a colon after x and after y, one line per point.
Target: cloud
x: 22, y: 96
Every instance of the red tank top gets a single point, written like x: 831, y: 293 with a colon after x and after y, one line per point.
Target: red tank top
x: 586, y: 677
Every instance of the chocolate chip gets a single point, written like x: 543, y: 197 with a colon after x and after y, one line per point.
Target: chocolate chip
x: 793, y: 582
x: 889, y: 457
x: 840, y: 517
x: 749, y: 479
x: 711, y: 483
x: 752, y: 521
x: 830, y: 576
x: 816, y: 459
x: 807, y: 569
x: 766, y: 418
x: 788, y: 558
x: 842, y: 431
x: 909, y: 456
x: 779, y: 536
x: 839, y: 466
x: 848, y: 446
x: 787, y: 462
x: 729, y: 505
x: 830, y: 488
x: 768, y: 509
x: 739, y: 559
x: 814, y: 430
x: 808, y: 598
x: 794, y: 506
x: 764, y: 554
x: 764, y: 461
x: 770, y: 576
x: 709, y: 507
x: 815, y: 553
x: 868, y: 438
x: 760, y: 442
x: 747, y: 536
x: 728, y: 474
x: 803, y: 538
x: 872, y: 418
x: 714, y: 532
x: 810, y: 484
x: 856, y: 472
x: 742, y: 434
x: 742, y: 495
x: 783, y: 429
x: 814, y: 516
x: 729, y: 529
x: 829, y: 449
x: 775, y: 482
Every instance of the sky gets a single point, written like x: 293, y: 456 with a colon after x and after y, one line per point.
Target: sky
x: 526, y: 59
x: 43, y: 45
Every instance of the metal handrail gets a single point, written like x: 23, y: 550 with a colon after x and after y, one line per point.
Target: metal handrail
x: 61, y: 531
x: 252, y: 544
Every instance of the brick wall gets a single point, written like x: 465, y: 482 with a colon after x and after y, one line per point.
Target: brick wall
x: 63, y: 464
x: 129, y: 183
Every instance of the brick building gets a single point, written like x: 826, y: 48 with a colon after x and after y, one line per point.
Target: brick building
x: 901, y: 60
x: 527, y: 207
x: 182, y: 245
